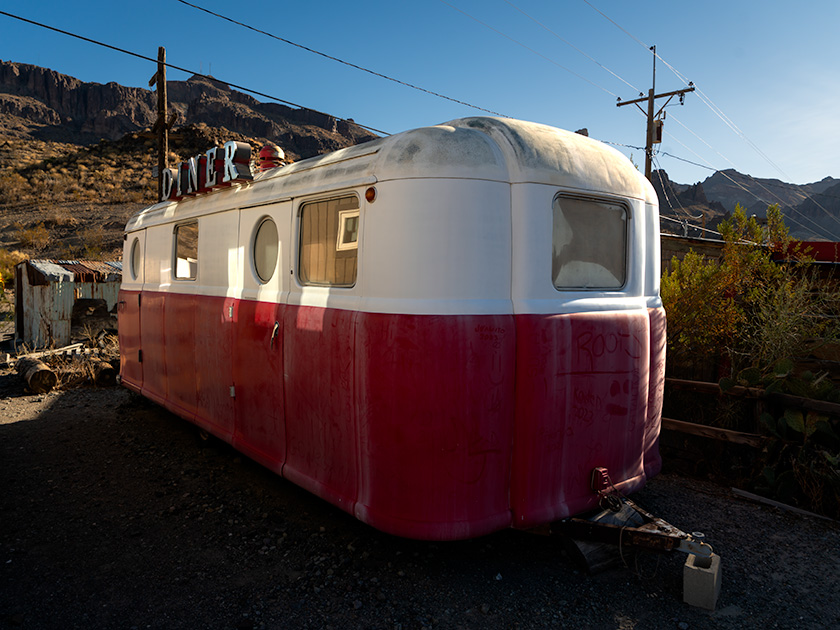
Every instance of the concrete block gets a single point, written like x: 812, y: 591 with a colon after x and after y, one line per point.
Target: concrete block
x: 701, y: 581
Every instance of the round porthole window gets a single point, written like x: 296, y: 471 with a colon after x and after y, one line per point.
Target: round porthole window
x: 136, y: 259
x: 266, y: 244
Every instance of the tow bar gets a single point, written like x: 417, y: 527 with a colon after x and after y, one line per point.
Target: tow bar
x: 623, y: 523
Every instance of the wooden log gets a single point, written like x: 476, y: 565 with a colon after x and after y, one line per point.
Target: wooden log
x: 38, y: 376
x: 715, y: 433
x: 104, y: 374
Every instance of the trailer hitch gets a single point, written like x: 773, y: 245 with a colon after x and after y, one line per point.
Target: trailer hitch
x: 632, y: 526
x: 624, y: 523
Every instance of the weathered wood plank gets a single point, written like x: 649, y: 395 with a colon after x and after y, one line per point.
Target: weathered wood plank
x: 809, y: 404
x: 782, y: 506
x: 714, y: 433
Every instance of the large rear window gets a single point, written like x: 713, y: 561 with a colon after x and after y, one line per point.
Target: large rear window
x: 589, y: 243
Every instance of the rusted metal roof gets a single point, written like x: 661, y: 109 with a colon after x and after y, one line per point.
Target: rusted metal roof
x: 42, y: 272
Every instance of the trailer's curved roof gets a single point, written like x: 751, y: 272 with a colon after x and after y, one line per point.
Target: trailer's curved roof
x: 497, y: 149
x: 513, y: 151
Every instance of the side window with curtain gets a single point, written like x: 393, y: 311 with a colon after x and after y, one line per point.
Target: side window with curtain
x: 329, y: 242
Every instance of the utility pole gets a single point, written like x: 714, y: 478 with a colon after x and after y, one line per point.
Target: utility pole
x: 654, y: 123
x: 162, y: 125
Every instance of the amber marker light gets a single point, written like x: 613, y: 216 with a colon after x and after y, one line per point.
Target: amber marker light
x: 370, y: 194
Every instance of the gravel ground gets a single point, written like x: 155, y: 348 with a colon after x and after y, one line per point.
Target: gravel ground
x: 115, y: 514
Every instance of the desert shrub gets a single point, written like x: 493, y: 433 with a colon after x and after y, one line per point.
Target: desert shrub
x: 61, y: 217
x: 36, y: 236
x: 753, y: 316
x: 8, y: 260
x: 93, y: 240
x: 800, y: 462
x: 747, y: 310
x: 13, y: 187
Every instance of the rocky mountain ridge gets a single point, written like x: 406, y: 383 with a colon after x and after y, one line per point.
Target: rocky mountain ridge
x: 812, y: 211
x: 43, y: 104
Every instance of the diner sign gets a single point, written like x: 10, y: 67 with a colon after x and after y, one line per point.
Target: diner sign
x: 217, y: 168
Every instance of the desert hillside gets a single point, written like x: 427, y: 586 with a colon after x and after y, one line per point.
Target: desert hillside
x: 76, y: 158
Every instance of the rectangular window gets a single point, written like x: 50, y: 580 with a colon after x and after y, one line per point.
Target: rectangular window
x: 589, y: 244
x: 186, y: 251
x: 348, y: 230
x: 329, y: 235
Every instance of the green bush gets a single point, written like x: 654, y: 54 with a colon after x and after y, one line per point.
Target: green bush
x: 752, y: 317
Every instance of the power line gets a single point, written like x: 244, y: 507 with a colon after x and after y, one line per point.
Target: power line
x: 628, y: 33
x: 174, y: 67
x: 718, y: 112
x: 687, y: 224
x: 676, y: 157
x: 566, y: 41
x: 526, y: 47
x: 763, y: 187
x: 751, y: 193
x: 336, y: 59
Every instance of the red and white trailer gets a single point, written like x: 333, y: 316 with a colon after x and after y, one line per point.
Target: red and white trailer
x: 442, y: 332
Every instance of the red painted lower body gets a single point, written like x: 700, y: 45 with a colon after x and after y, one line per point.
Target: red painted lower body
x: 424, y: 426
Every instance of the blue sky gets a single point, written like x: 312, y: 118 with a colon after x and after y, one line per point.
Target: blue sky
x: 770, y: 68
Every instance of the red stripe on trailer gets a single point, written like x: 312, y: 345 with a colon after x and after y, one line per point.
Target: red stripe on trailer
x: 321, y: 432
x: 656, y: 386
x: 424, y: 426
x: 257, y: 373
x: 129, y: 331
x: 581, y: 403
x: 435, y: 404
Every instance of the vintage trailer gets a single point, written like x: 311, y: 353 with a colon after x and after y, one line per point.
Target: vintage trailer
x: 442, y: 332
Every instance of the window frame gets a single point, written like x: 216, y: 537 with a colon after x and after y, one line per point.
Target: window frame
x: 254, y: 268
x: 598, y: 199
x: 135, y: 264
x: 303, y: 204
x: 175, y: 257
x: 343, y: 217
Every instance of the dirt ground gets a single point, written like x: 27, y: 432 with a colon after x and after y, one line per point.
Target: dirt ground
x: 115, y: 514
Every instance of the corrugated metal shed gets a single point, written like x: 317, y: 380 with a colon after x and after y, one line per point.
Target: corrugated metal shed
x: 55, y: 297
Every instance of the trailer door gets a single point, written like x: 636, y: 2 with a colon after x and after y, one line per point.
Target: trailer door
x: 128, y: 309
x: 259, y: 344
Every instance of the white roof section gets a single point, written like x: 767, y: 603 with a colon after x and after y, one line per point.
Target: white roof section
x: 485, y: 148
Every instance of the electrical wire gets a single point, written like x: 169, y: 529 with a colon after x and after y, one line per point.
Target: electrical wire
x: 704, y: 98
x: 336, y: 59
x: 566, y: 41
x: 628, y: 33
x: 174, y: 67
x: 820, y: 229
x: 685, y: 222
x: 526, y: 47
x: 691, y: 225
x: 779, y: 200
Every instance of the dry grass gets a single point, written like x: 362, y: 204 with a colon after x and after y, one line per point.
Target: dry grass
x: 8, y: 260
x: 36, y: 236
